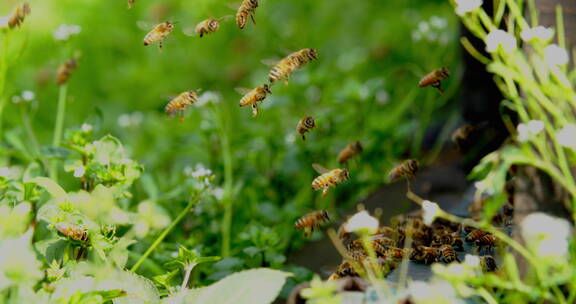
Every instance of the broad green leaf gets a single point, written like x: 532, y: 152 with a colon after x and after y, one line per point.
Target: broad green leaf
x: 255, y: 286
x: 51, y: 186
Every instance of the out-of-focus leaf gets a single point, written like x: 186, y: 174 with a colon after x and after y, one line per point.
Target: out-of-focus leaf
x: 51, y: 186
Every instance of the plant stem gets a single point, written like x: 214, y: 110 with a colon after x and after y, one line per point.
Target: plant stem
x: 29, y: 131
x: 3, y: 71
x: 188, y: 271
x: 60, y: 114
x: 166, y: 231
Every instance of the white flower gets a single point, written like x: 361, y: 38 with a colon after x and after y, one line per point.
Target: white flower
x: 567, y: 136
x: 361, y: 222
x: 430, y: 210
x: 86, y: 127
x: 537, y: 33
x: 79, y: 172
x: 28, y: 95
x: 529, y: 129
x: 218, y: 193
x: 124, y: 120
x: 466, y: 6
x: 500, y: 38
x: 208, y: 96
x: 472, y: 260
x: 546, y: 235
x: 18, y: 263
x: 64, y: 31
x: 555, y: 55
x: 436, y: 291
x: 438, y: 22
x: 423, y: 26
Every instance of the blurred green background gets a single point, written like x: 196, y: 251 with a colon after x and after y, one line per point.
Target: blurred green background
x: 363, y: 87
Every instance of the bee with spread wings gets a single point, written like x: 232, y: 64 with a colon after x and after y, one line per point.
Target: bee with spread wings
x: 328, y: 178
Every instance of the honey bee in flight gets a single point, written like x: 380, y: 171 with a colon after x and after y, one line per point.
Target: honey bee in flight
x: 434, y: 79
x: 328, y: 178
x: 159, y: 33
x: 349, y: 151
x: 208, y: 26
x: 246, y: 9
x: 305, y: 125
x: 290, y: 63
x: 65, y: 71
x: 407, y: 169
x: 75, y: 232
x: 460, y: 137
x: 181, y: 103
x: 311, y: 220
x: 253, y: 97
x: 18, y: 15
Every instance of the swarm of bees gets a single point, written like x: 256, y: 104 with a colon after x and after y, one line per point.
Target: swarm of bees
x: 65, y: 71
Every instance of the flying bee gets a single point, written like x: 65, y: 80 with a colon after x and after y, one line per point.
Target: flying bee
x: 461, y: 137
x: 328, y: 178
x: 349, y: 151
x: 407, y: 169
x: 305, y: 125
x: 65, y: 71
x: 18, y: 15
x: 75, y: 232
x: 208, y: 26
x: 488, y: 240
x: 434, y: 78
x: 181, y: 103
x: 426, y: 255
x: 246, y: 9
x: 290, y: 63
x: 447, y: 254
x: 130, y: 3
x: 311, y: 220
x: 159, y: 33
x: 488, y: 263
x: 474, y: 235
x: 253, y: 97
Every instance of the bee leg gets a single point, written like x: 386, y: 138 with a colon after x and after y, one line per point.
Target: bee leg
x: 160, y: 45
x: 436, y: 85
x: 252, y: 17
x: 303, y: 137
x: 324, y: 192
x: 254, y: 110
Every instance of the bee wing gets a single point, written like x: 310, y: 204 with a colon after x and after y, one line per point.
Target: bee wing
x: 320, y: 169
x: 226, y: 18
x: 234, y: 5
x: 145, y: 25
x: 270, y: 61
x: 189, y: 31
x: 243, y: 91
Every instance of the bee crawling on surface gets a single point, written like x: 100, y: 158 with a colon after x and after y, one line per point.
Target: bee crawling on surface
x: 311, y: 220
x: 159, y: 34
x: 474, y: 235
x: 73, y: 231
x: 285, y: 67
x: 447, y: 238
x: 65, y: 71
x: 407, y: 169
x: 246, y: 9
x: 305, y: 125
x: 488, y: 263
x: 349, y: 151
x: 181, y: 103
x: 434, y: 79
x: 253, y: 97
x: 487, y: 241
x: 426, y: 255
x: 448, y: 254
x: 344, y: 270
x: 328, y: 178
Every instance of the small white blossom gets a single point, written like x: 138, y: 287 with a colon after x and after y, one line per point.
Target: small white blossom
x: 438, y: 22
x: 133, y: 119
x: 361, y: 222
x: 529, y: 129
x: 436, y: 291
x: 431, y: 211
x: 567, y: 136
x: 208, y: 96
x: 218, y: 193
x: 28, y: 95
x: 79, y: 172
x: 546, y: 235
x: 64, y: 31
x: 537, y: 33
x: 555, y: 55
x: 467, y: 6
x: 86, y: 127
x: 472, y: 260
x: 499, y: 38
x: 423, y: 26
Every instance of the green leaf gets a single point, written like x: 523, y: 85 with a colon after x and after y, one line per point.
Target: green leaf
x: 255, y: 286
x: 51, y: 249
x: 51, y: 186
